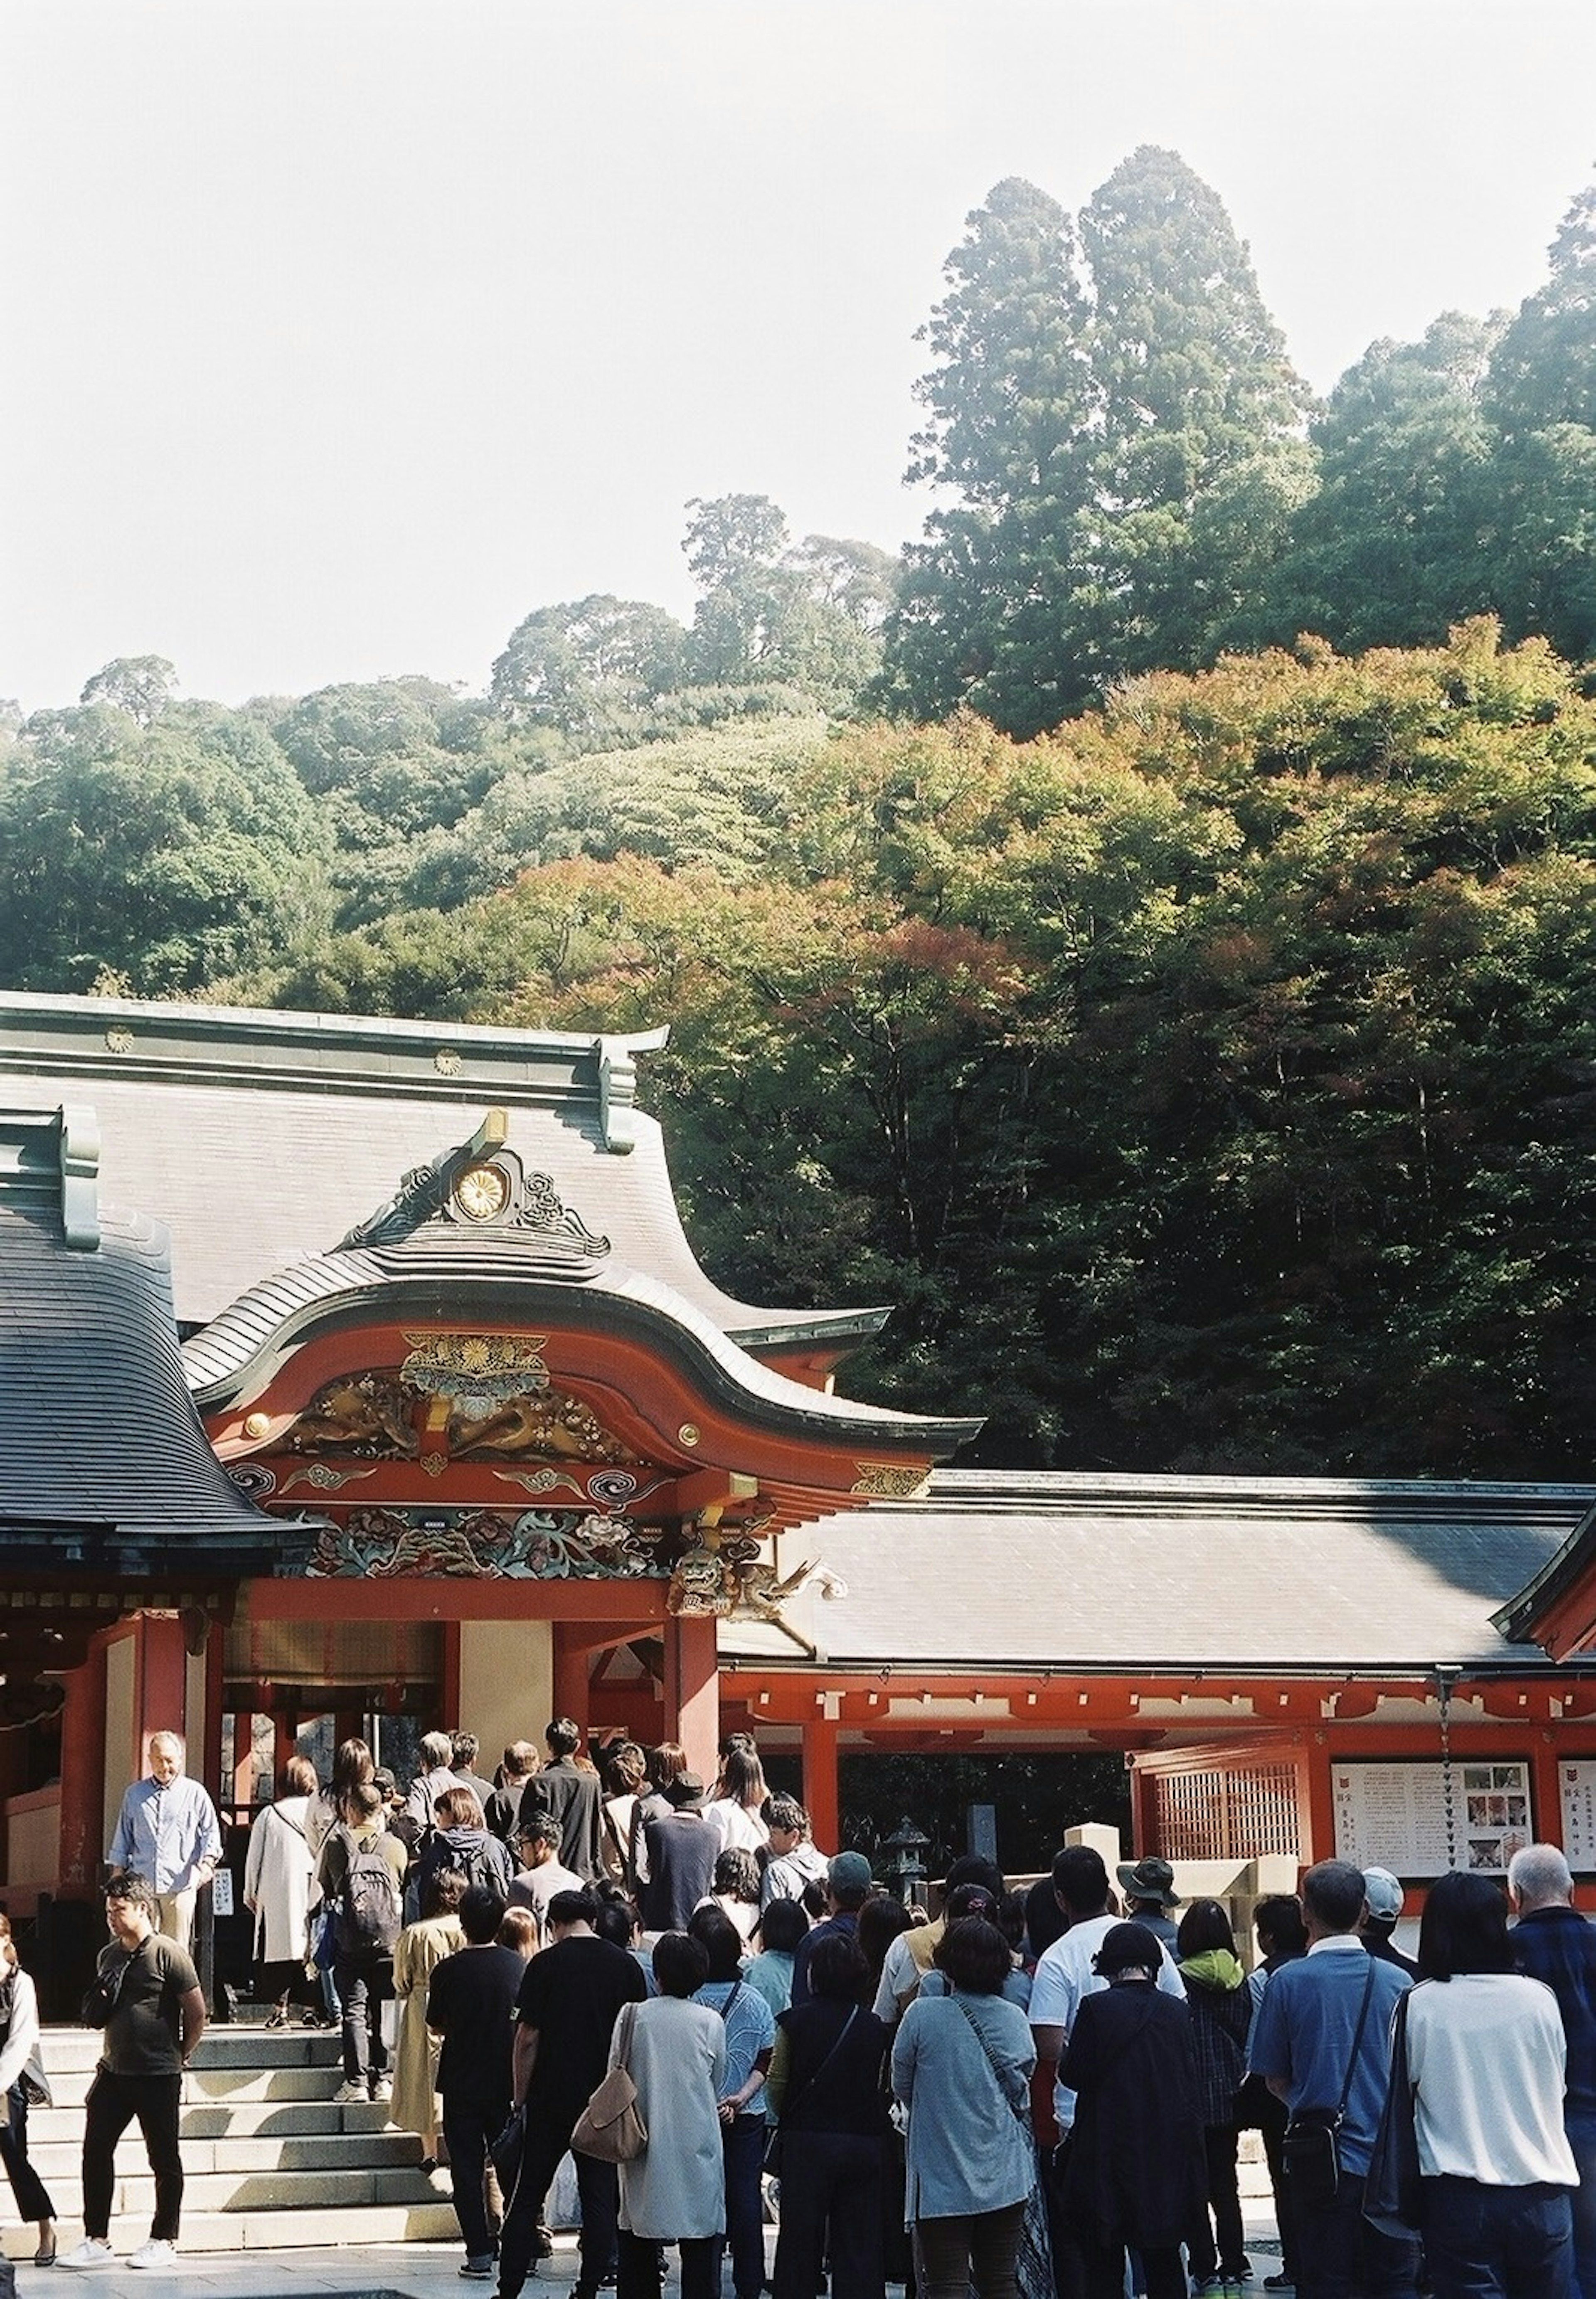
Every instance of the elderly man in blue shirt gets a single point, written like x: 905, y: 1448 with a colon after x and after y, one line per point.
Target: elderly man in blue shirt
x: 168, y: 1832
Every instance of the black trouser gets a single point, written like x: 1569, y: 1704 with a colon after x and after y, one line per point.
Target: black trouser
x: 830, y: 2196
x: 548, y: 2139
x: 977, y: 2250
x: 1163, y: 2277
x: 365, y: 1980
x: 114, y: 2102
x: 638, y: 2266
x: 1219, y: 2248
x: 33, y: 2198
x: 470, y: 2127
x: 1063, y: 2235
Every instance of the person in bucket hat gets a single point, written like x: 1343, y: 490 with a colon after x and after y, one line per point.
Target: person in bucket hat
x: 1149, y: 1887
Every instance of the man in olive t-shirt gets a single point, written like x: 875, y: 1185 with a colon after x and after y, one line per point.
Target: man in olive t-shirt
x: 154, y: 2014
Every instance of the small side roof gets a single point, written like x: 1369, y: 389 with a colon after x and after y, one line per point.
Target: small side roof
x: 262, y: 1139
x: 104, y: 1465
x: 1009, y: 1570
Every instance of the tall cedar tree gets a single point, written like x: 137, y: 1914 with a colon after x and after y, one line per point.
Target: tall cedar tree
x: 1128, y: 462
x: 986, y: 608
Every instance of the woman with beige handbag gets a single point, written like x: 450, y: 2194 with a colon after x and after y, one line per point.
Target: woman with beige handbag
x: 675, y: 2190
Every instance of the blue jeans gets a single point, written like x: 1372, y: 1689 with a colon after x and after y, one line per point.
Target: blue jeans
x: 1498, y: 2242
x: 1341, y: 2256
x: 1581, y: 2139
x: 742, y: 2147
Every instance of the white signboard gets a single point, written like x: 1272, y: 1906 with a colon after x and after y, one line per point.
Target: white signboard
x: 1577, y: 1782
x: 1395, y: 1816
x: 222, y: 1892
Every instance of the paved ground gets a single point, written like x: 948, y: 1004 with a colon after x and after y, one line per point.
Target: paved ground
x: 418, y: 2270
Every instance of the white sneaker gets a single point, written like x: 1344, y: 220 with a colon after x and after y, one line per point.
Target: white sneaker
x: 154, y: 2254
x: 93, y: 2251
x: 382, y: 2091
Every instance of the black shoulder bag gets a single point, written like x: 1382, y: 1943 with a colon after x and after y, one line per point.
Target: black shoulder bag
x: 773, y: 2142
x: 1392, y: 2192
x: 1311, y: 2142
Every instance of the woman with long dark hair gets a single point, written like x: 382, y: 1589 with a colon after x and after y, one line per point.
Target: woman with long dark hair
x: 734, y: 1811
x: 1485, y: 2059
x: 824, y: 2089
x: 1221, y: 2013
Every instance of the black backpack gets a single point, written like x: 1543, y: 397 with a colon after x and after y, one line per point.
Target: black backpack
x: 370, y: 1912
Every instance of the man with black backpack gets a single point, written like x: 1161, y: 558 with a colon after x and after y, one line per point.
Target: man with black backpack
x: 361, y: 1873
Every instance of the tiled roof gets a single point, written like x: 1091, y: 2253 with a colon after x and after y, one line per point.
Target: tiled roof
x: 1059, y: 1571
x: 262, y: 1139
x: 102, y: 1458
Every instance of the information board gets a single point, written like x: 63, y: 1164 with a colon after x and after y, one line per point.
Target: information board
x: 1577, y: 1782
x: 1395, y: 1816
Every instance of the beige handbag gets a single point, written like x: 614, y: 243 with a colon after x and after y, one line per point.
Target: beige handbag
x: 609, y: 2126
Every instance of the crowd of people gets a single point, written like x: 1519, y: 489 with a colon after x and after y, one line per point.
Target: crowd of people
x: 1028, y: 2099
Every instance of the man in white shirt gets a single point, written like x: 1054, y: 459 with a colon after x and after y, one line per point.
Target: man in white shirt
x: 168, y: 1832
x: 1062, y: 1978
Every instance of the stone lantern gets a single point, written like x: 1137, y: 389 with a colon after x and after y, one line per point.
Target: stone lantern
x: 902, y: 1861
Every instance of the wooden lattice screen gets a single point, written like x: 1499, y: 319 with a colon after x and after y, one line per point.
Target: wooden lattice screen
x: 1229, y: 1814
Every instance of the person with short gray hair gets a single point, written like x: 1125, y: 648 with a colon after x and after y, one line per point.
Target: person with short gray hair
x: 1553, y: 1942
x: 1321, y: 2040
x: 168, y: 1832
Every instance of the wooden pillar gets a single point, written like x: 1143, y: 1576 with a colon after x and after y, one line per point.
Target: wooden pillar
x: 571, y: 1671
x: 822, y: 1796
x: 240, y: 1787
x: 692, y: 1692
x: 160, y: 1690
x: 1318, y: 1841
x: 1546, y: 1790
x: 83, y: 1778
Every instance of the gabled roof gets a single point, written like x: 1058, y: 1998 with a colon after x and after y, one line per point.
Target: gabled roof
x: 264, y: 1139
x: 1556, y: 1608
x: 104, y: 1465
x: 995, y: 1570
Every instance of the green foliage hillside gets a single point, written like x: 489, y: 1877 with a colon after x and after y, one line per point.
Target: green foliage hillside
x: 1148, y: 934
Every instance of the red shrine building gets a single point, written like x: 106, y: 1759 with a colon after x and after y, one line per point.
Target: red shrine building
x: 359, y: 1377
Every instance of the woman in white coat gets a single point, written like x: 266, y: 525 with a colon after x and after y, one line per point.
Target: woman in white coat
x: 22, y: 2080
x: 279, y: 1889
x: 675, y: 2191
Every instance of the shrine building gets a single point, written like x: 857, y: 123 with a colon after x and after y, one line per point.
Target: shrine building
x: 359, y: 1377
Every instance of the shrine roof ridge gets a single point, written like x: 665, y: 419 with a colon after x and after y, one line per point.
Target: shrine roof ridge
x: 377, y: 1054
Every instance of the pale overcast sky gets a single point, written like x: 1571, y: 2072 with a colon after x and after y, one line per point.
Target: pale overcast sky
x: 343, y: 333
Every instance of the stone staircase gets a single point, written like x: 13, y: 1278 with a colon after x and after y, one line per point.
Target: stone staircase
x: 271, y: 2161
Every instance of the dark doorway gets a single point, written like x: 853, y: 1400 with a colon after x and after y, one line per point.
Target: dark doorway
x: 1036, y: 1798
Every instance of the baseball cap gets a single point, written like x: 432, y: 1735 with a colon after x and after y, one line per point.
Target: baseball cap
x: 1384, y: 1893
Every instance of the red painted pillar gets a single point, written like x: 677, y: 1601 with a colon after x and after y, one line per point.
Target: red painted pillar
x: 160, y: 1691
x: 691, y: 1691
x: 822, y: 1796
x: 83, y: 1778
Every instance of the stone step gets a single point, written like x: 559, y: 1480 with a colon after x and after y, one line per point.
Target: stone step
x: 221, y: 2118
x: 69, y: 2048
x: 265, y: 2191
x: 230, y: 2084
x: 271, y: 2230
x: 59, y: 2160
